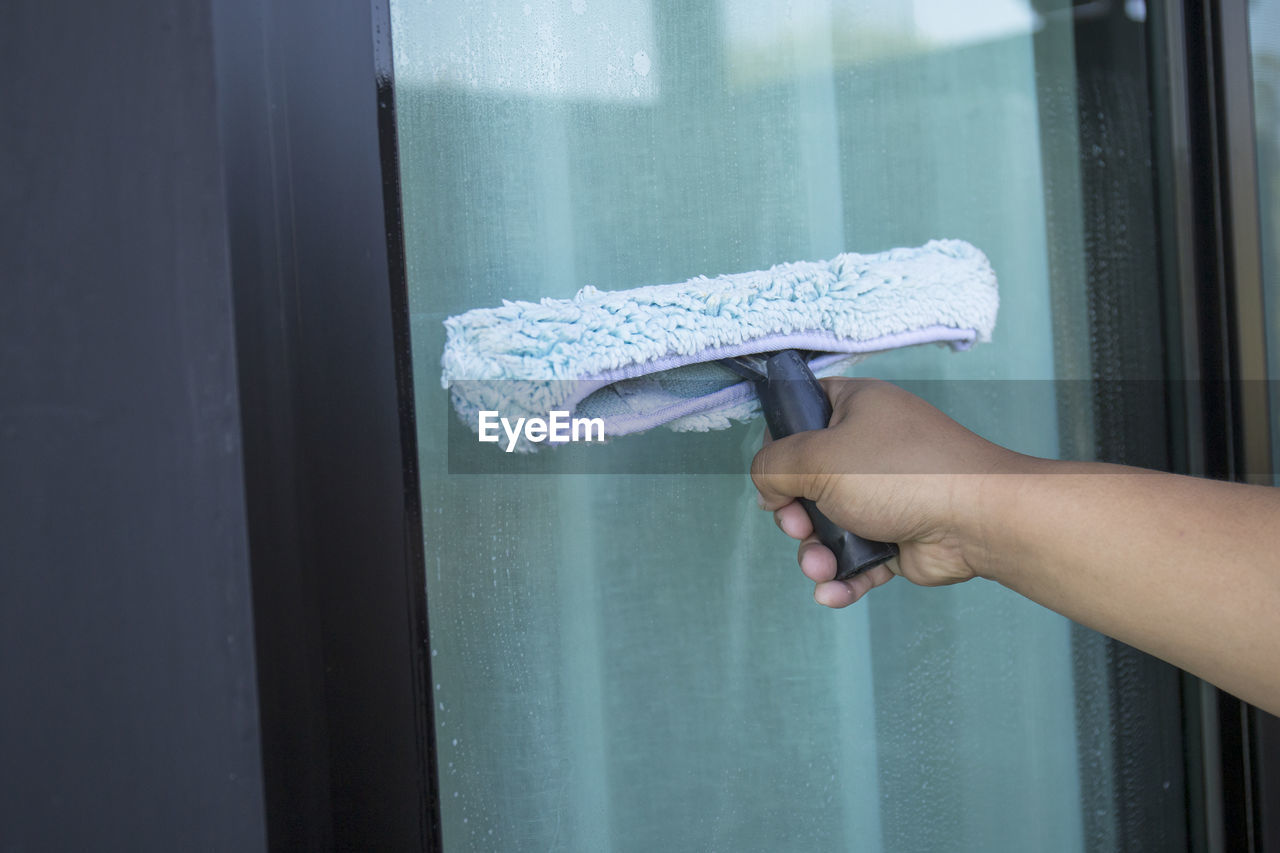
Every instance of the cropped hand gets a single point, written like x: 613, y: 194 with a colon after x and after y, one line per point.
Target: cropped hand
x: 889, y: 467
x: 1181, y: 567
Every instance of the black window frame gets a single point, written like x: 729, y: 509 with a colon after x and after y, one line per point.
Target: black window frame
x: 1204, y: 118
x: 331, y: 461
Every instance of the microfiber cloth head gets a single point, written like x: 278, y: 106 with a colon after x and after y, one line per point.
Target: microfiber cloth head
x: 647, y: 356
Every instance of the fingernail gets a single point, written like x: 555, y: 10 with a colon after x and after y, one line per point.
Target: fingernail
x: 760, y: 501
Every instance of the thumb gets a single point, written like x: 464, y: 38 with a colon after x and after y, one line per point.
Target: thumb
x: 788, y: 468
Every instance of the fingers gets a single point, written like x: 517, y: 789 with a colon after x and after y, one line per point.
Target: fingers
x: 837, y: 594
x: 816, y: 561
x: 793, y: 520
x: 796, y: 466
x: 841, y: 391
x: 783, y: 469
x: 819, y: 565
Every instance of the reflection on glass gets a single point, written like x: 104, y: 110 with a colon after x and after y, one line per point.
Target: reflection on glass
x: 634, y: 663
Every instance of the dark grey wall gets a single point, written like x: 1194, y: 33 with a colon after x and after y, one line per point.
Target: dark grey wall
x: 212, y: 611
x: 128, y: 704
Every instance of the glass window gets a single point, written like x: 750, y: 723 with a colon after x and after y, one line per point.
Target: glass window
x: 633, y: 661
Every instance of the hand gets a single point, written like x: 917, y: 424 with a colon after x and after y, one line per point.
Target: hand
x: 1183, y: 568
x: 890, y: 467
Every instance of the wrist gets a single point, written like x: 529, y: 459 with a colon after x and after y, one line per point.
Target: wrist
x: 989, y: 510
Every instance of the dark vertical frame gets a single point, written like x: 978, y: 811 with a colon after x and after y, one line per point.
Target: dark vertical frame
x: 1255, y: 733
x: 1204, y: 116
x: 1205, y: 121
x: 1241, y: 241
x: 389, y: 149
x: 339, y: 591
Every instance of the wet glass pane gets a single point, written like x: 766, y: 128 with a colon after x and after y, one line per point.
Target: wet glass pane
x: 633, y: 661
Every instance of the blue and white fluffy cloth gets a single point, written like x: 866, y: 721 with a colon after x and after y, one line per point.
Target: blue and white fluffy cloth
x: 647, y: 356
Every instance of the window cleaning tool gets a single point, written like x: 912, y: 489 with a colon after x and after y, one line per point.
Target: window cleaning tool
x: 678, y: 354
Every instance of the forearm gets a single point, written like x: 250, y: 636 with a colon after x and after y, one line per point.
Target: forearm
x: 1186, y: 569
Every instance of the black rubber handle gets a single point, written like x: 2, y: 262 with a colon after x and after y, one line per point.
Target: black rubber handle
x: 793, y: 401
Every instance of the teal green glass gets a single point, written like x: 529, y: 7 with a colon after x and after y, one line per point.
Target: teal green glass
x: 635, y: 663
